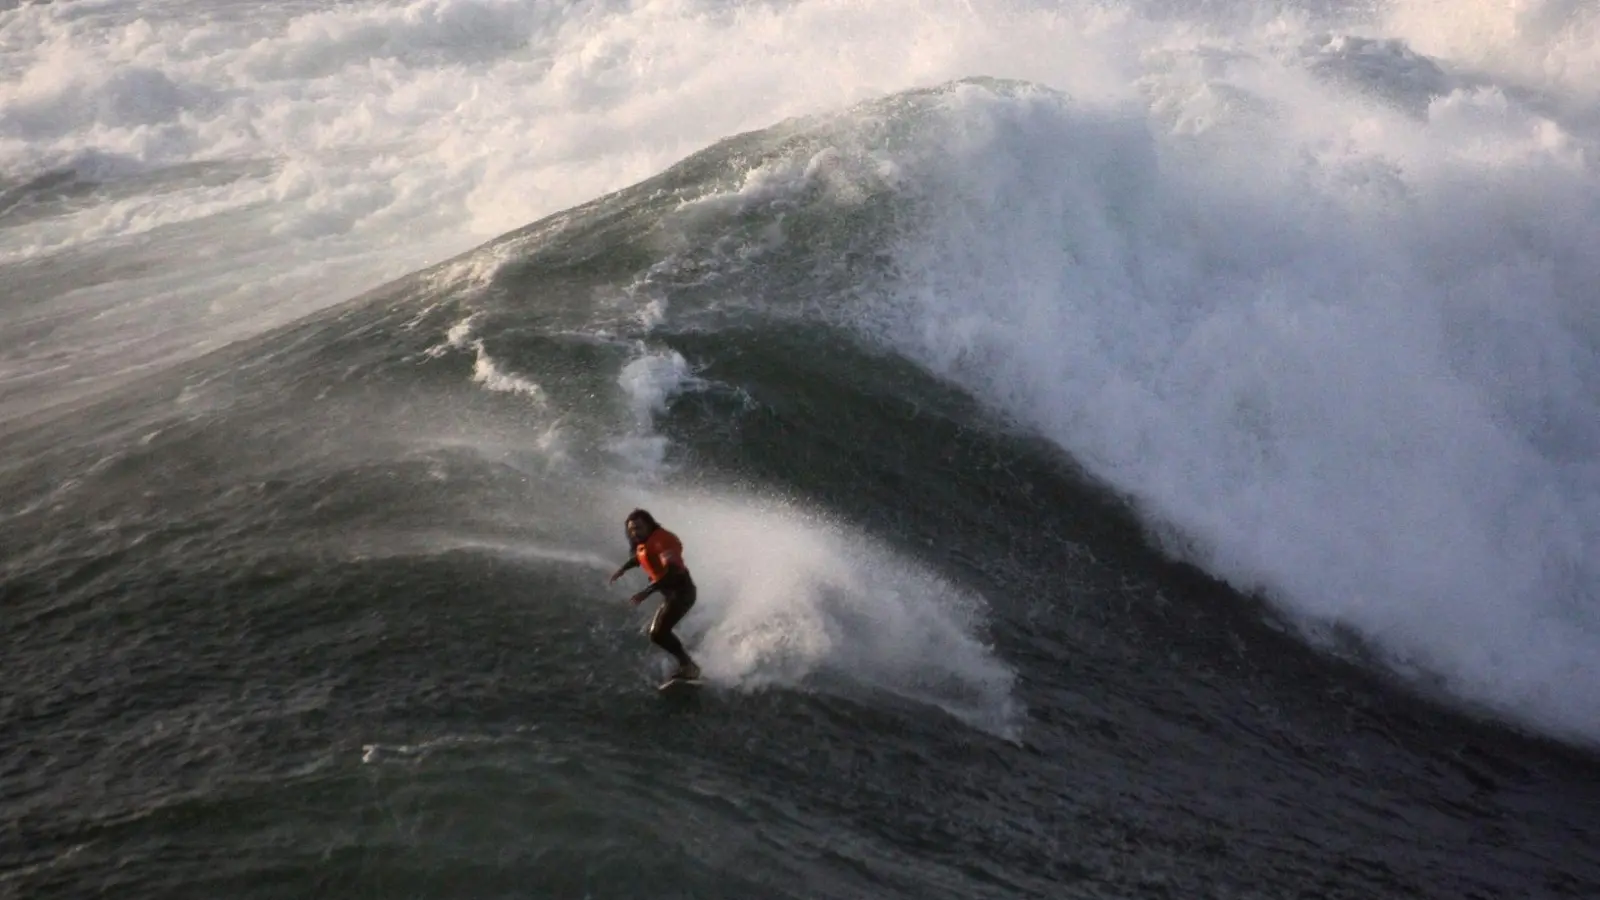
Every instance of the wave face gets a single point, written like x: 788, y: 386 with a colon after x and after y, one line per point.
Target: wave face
x: 1324, y: 378
x: 1329, y: 379
x: 1124, y: 449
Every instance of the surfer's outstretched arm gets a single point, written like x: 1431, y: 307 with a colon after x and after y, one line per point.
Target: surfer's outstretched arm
x: 676, y: 579
x: 632, y: 563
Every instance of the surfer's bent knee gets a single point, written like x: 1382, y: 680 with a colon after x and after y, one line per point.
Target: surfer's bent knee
x: 674, y: 606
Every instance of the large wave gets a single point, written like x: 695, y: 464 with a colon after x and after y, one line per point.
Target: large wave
x: 1360, y: 377
x: 1314, y: 289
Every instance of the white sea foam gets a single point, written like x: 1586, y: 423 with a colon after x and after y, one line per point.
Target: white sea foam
x: 486, y: 373
x: 1358, y: 369
x: 649, y: 383
x: 789, y: 598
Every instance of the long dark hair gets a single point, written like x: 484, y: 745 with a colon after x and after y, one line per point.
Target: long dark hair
x: 640, y: 515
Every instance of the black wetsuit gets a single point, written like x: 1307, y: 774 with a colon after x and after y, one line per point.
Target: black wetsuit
x: 676, y: 601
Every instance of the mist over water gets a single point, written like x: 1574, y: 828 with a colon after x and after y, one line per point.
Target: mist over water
x: 1314, y: 288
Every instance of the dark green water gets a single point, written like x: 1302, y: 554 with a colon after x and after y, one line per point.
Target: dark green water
x: 325, y: 614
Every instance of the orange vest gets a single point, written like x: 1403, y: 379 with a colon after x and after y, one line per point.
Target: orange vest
x: 659, y: 549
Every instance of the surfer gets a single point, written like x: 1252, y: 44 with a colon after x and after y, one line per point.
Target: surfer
x: 660, y: 553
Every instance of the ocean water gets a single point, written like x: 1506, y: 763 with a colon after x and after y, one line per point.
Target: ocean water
x: 1125, y: 449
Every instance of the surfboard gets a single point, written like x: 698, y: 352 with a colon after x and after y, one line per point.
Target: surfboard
x: 676, y: 684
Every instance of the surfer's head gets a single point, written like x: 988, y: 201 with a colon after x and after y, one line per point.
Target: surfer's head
x: 639, y: 525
